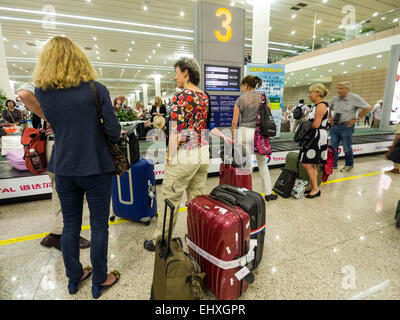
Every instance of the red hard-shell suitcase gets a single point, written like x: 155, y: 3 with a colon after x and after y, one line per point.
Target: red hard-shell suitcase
x: 219, y: 239
x: 233, y: 176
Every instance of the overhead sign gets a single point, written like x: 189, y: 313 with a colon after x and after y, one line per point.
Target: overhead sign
x: 273, y: 79
x: 221, y: 78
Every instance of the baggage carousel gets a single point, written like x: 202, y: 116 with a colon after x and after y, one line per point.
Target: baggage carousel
x: 17, y: 186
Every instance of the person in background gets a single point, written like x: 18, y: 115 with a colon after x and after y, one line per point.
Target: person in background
x: 81, y: 160
x: 188, y: 157
x: 289, y: 117
x: 367, y: 118
x: 117, y: 105
x: 343, y: 117
x: 377, y: 113
x: 53, y: 240
x: 247, y: 106
x: 11, y: 115
x: 396, y: 166
x: 305, y: 110
x: 158, y: 109
x: 141, y: 128
x: 315, y: 151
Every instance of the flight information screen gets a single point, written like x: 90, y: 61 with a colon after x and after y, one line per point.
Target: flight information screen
x: 221, y: 78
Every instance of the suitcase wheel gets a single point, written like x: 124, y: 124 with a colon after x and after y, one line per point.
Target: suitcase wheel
x: 151, y: 294
x: 147, y: 223
x: 112, y: 218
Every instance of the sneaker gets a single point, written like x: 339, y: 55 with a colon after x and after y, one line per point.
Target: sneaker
x: 346, y: 169
x: 393, y: 171
x: 271, y: 197
x: 149, y: 245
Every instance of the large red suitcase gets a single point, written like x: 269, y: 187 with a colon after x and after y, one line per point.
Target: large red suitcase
x: 219, y: 239
x: 233, y: 176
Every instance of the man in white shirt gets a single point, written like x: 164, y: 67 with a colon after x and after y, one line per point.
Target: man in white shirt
x: 377, y: 114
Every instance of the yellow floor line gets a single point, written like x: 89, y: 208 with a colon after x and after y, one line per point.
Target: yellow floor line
x: 184, y: 209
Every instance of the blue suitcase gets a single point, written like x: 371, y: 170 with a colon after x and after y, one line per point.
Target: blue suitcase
x: 134, y: 193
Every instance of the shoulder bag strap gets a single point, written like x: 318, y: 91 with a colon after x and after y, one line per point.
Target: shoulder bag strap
x: 11, y: 116
x: 96, y: 98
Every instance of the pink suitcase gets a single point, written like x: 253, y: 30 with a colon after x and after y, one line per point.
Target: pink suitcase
x: 16, y: 158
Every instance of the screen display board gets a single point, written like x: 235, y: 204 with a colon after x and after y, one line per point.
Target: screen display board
x: 222, y: 108
x: 222, y: 78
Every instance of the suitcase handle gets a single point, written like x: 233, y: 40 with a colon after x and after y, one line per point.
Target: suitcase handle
x: 230, y: 188
x: 165, y: 246
x: 224, y: 201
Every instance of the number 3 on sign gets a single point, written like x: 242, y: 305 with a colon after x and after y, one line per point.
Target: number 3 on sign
x: 225, y: 24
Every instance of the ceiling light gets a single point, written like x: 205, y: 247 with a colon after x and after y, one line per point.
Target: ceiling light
x: 98, y: 58
x: 232, y: 3
x: 330, y: 70
x: 293, y: 32
x: 383, y: 18
x: 28, y: 32
x: 147, y: 61
x: 373, y: 67
x: 322, y: 39
x: 94, y: 38
x: 270, y: 28
x: 154, y: 51
x: 395, y: 20
x: 182, y: 13
x: 344, y: 72
x: 293, y: 16
x: 15, y: 46
x: 96, y: 46
x: 375, y: 14
x: 145, y: 8
x: 314, y: 69
x: 128, y: 54
x: 319, y: 21
x: 149, y: 57
x: 97, y: 27
x: 359, y: 65
x: 5, y: 39
x: 379, y: 56
x: 158, y: 45
x: 324, y: 1
x: 126, y: 59
x: 342, y: 63
x: 341, y: 26
x: 85, y: 18
x: 97, y: 52
x: 24, y: 53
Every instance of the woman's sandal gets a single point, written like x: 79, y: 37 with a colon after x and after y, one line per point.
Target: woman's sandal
x: 73, y: 287
x: 97, y: 290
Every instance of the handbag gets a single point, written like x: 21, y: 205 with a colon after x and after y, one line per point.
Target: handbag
x: 120, y: 161
x: 267, y: 124
x: 262, y: 144
x: 394, y: 153
x: 303, y: 131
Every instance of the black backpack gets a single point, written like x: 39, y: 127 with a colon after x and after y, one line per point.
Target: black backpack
x: 285, y: 183
x: 298, y: 112
x: 268, y: 126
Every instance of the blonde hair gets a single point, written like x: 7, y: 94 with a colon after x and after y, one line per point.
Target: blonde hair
x: 62, y: 64
x: 160, y: 102
x: 320, y: 88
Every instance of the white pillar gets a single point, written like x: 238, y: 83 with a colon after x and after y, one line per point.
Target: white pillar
x: 261, y: 18
x: 4, y: 77
x: 145, y: 97
x: 157, y: 83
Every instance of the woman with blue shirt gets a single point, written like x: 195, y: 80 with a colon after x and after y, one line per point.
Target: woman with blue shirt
x: 80, y: 160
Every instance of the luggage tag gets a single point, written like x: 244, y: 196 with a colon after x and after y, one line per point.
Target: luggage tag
x: 242, y: 273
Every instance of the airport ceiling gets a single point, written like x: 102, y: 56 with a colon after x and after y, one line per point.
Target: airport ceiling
x: 129, y: 40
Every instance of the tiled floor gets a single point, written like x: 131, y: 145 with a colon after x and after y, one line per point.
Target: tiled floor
x: 343, y: 245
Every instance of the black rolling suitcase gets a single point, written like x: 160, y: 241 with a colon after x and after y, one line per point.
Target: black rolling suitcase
x: 285, y: 183
x: 254, y: 205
